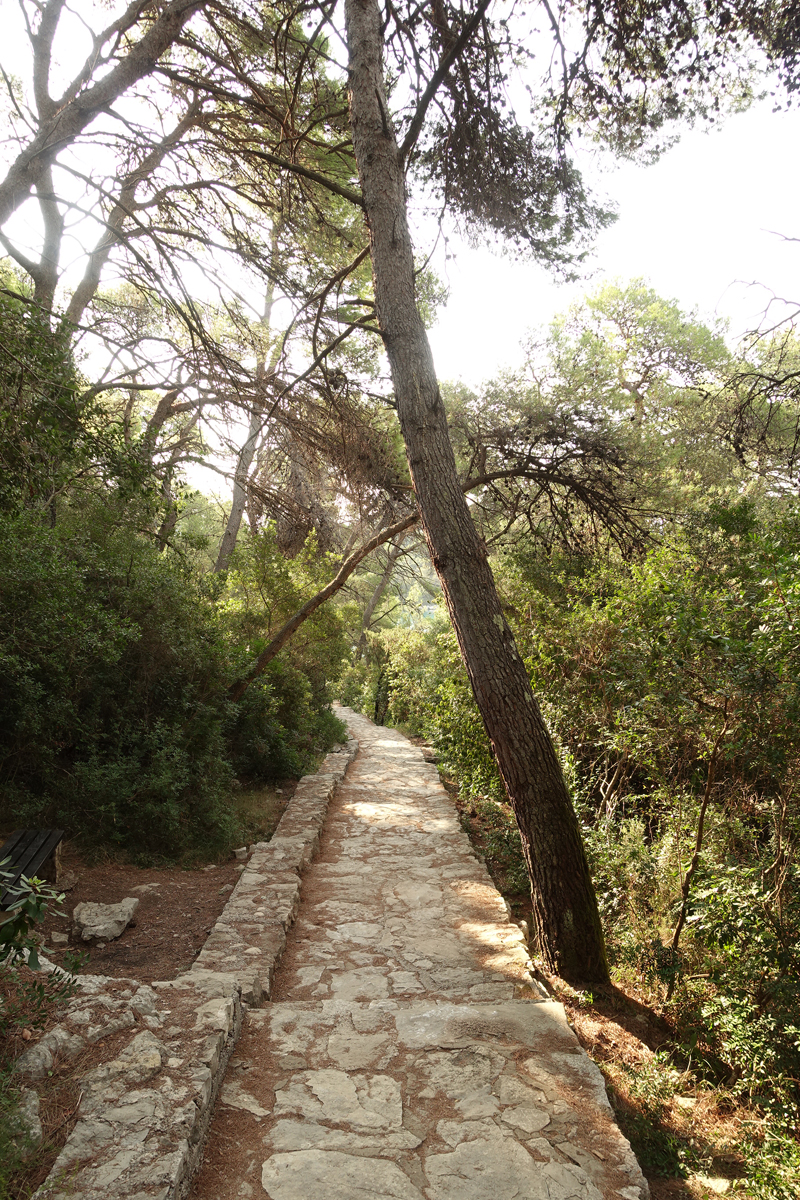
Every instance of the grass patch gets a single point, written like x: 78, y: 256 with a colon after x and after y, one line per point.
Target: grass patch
x: 259, y: 809
x: 16, y: 1148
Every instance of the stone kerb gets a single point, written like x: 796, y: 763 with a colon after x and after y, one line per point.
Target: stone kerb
x: 143, y: 1117
x: 250, y: 934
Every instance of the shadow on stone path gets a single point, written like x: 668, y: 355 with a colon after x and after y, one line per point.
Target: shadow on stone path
x: 405, y: 1052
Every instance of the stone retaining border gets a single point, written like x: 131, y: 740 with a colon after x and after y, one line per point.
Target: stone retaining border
x: 143, y: 1117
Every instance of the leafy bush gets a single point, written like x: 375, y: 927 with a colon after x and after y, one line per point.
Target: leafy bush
x: 115, y: 663
x: 278, y: 727
x: 112, y: 672
x: 27, y: 907
x: 27, y: 997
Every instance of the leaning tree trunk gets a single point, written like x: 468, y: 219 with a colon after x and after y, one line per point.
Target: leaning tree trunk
x: 565, y: 915
x: 248, y: 450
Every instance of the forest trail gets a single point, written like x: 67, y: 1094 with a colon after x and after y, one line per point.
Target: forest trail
x: 406, y: 1052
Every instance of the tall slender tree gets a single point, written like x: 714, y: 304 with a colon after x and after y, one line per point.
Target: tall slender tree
x: 565, y: 914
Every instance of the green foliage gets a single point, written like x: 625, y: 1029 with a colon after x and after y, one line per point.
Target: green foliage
x: 642, y: 667
x: 112, y: 670
x: 278, y: 728
x: 59, y: 440
x: 116, y: 659
x: 16, y: 1146
x: 501, y: 842
x: 42, y: 435
x: 773, y: 1167
x: 658, y: 1149
x: 28, y: 905
x: 115, y: 662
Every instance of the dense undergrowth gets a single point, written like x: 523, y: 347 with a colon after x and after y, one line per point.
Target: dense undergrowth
x: 117, y: 646
x: 672, y: 687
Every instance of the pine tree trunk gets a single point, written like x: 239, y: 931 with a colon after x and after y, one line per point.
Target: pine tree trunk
x: 376, y: 597
x: 248, y: 450
x: 565, y: 916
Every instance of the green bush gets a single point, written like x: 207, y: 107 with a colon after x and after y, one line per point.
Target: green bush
x: 113, y: 676
x: 115, y: 718
x: 277, y: 727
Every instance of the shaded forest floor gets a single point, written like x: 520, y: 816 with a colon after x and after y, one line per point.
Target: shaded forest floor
x: 177, y: 907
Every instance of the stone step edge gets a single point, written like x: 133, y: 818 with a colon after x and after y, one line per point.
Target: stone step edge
x: 144, y: 1116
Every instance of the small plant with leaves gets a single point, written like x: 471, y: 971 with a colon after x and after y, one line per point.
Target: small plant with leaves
x: 27, y: 1003
x: 30, y: 898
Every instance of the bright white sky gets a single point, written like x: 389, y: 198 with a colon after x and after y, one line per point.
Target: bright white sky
x: 700, y: 225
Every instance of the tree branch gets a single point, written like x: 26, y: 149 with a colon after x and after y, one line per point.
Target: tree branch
x: 438, y: 76
x: 338, y: 189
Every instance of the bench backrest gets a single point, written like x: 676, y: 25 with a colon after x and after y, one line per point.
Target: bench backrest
x: 27, y: 850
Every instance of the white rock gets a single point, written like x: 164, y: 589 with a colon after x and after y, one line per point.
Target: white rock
x: 104, y: 921
x: 527, y: 1117
x: 28, y: 1114
x: 233, y: 1093
x: 336, y: 1176
x: 364, y: 1101
x: 364, y: 983
x: 351, y: 1051
x: 478, y: 1170
x: 303, y: 1135
x: 514, y: 1091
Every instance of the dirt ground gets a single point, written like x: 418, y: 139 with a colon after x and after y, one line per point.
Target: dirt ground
x: 176, y: 912
x: 177, y: 908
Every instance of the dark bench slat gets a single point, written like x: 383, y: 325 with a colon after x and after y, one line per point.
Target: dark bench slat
x: 17, y: 838
x: 35, y: 852
x: 27, y: 849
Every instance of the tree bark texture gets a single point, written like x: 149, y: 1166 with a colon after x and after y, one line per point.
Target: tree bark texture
x: 565, y: 915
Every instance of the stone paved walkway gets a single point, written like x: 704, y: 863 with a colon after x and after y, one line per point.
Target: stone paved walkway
x: 406, y: 1052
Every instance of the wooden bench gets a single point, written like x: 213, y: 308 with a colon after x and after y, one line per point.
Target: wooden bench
x: 29, y: 852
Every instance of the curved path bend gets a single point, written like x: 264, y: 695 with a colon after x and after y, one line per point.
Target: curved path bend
x: 405, y: 1052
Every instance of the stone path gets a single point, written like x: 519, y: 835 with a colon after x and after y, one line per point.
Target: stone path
x: 406, y: 1052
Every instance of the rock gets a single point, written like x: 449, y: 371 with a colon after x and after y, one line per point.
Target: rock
x: 144, y: 1001
x: 28, y: 1114
x: 362, y: 1101
x: 103, y: 921
x: 58, y: 938
x: 336, y: 1176
x: 352, y: 1051
x: 37, y: 1060
x: 514, y: 1175
x: 233, y: 1094
x: 241, y: 853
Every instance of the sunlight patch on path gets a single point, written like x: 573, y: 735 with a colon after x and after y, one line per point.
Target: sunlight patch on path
x: 407, y: 1052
